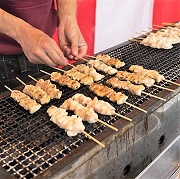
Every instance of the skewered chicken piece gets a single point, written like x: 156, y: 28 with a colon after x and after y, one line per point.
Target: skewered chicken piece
x: 37, y: 94
x: 76, y: 75
x: 114, y: 62
x: 65, y: 80
x: 134, y: 89
x: 25, y: 101
x: 85, y: 113
x: 145, y: 72
x: 104, y: 91
x: 48, y: 87
x: 157, y: 42
x: 71, y: 124
x: 109, y: 93
x: 99, y: 106
x: 89, y: 71
x: 177, y: 24
x: 126, y: 85
x: 163, y: 38
x: 135, y: 78
x: 102, y: 66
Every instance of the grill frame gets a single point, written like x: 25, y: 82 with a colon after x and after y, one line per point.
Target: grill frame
x: 107, y: 135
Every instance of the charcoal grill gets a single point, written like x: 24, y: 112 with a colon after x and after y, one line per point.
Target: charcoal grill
x: 33, y: 147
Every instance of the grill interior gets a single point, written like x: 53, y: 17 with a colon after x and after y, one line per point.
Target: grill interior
x: 30, y: 144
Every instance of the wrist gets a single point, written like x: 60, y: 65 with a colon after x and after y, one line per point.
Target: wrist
x: 12, y: 26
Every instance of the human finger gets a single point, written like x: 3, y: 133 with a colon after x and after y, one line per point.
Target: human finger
x: 81, y: 51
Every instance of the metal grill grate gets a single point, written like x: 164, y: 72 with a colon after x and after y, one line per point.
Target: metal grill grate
x: 30, y: 144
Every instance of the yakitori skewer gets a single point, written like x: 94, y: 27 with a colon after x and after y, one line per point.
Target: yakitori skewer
x: 70, y: 64
x: 101, y: 66
x: 76, y: 75
x: 24, y: 100
x: 126, y: 85
x: 159, y: 26
x: 139, y: 79
x: 99, y: 106
x: 87, y: 114
x: 63, y: 80
x: 48, y: 87
x: 118, y: 97
x: 35, y: 92
x: 151, y: 73
x: 71, y: 124
x: 114, y: 62
x: 88, y: 71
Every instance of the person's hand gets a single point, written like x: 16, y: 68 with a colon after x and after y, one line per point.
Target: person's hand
x: 39, y: 48
x: 71, y: 40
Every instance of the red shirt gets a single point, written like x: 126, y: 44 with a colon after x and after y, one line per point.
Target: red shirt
x: 39, y: 13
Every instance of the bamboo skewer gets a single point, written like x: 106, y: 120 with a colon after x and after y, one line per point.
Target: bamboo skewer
x: 168, y: 89
x: 82, y: 58
x: 108, y: 125
x: 92, y: 138
x: 172, y: 82
x: 32, y: 78
x: 134, y: 40
x: 8, y: 88
x: 159, y: 26
x: 140, y: 109
x: 151, y: 28
x: 21, y: 81
x: 45, y: 72
x: 70, y: 65
x: 124, y: 117
x: 139, y: 38
x: 59, y: 69
x: 149, y: 94
x: 167, y: 23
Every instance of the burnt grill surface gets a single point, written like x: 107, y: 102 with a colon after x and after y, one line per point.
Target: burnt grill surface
x: 30, y: 144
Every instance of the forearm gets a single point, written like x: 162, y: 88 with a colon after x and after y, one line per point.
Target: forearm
x: 11, y: 25
x: 67, y: 9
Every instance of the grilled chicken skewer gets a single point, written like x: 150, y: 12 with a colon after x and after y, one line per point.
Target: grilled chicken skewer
x: 99, y: 106
x: 100, y: 66
x: 76, y: 75
x: 89, y: 71
x: 126, y: 85
x: 163, y: 38
x: 150, y: 73
x: 24, y: 100
x: 177, y: 24
x: 63, y: 80
x: 114, y: 62
x: 87, y: 114
x: 118, y: 97
x: 144, y: 72
x: 48, y: 87
x: 138, y: 79
x: 71, y: 124
x: 35, y: 92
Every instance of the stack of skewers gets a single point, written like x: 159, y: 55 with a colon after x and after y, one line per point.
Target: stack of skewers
x: 163, y: 38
